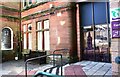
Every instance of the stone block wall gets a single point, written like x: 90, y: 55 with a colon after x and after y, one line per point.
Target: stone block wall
x: 63, y: 32
x: 115, y: 42
x: 9, y: 17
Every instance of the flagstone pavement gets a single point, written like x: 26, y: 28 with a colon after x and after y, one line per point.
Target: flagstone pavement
x: 89, y: 67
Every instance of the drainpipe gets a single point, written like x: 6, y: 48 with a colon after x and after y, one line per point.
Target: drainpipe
x: 20, y: 41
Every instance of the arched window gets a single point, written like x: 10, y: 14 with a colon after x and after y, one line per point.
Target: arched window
x: 7, y: 39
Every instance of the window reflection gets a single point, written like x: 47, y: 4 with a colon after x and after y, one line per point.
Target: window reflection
x: 88, y: 33
x: 102, y: 35
x: 6, y: 38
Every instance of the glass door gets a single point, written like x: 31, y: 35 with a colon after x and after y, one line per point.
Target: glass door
x: 89, y: 53
x: 94, y: 21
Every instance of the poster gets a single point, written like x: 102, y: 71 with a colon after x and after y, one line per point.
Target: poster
x: 115, y: 22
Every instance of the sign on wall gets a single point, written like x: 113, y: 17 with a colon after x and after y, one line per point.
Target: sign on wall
x: 115, y: 22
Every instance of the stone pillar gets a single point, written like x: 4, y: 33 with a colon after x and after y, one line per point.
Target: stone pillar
x: 115, y: 41
x: 78, y: 31
x: 72, y: 33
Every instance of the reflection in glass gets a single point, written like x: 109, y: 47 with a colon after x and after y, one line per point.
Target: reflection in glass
x: 6, y: 38
x: 101, y: 37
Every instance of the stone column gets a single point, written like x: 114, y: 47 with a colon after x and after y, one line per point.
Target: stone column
x: 78, y: 31
x: 115, y: 41
x: 73, y: 33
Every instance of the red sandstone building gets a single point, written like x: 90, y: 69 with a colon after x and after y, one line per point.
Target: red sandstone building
x: 10, y: 29
x: 85, y: 28
x: 54, y: 25
x: 49, y: 26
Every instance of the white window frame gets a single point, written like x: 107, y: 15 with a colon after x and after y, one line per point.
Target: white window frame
x: 39, y: 36
x: 29, y: 40
x: 43, y: 31
x: 25, y: 41
x: 24, y: 3
x: 25, y: 36
x: 46, y: 35
x: 3, y: 48
x: 29, y: 37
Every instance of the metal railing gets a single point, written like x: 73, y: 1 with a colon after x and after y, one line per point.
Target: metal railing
x: 31, y: 59
x: 55, y: 54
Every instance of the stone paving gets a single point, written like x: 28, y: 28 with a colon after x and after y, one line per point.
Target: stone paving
x: 96, y: 68
x: 16, y: 67
x: 89, y: 67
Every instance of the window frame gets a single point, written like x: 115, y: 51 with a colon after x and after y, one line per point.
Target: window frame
x: 43, y: 34
x: 24, y: 36
x: 27, y: 35
x: 93, y: 24
x: 24, y: 2
x: 29, y: 43
x: 3, y: 48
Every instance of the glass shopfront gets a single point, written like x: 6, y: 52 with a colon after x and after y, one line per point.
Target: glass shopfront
x: 94, y: 20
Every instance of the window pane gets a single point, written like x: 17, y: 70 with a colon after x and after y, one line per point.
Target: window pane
x: 86, y: 13
x: 89, y: 37
x: 6, y: 38
x: 39, y: 36
x: 46, y: 40
x: 100, y: 12
x: 46, y: 24
x: 101, y: 37
x: 39, y: 25
x: 39, y: 43
x: 46, y: 35
x: 29, y: 40
x: 24, y: 3
x: 24, y: 28
x: 25, y: 41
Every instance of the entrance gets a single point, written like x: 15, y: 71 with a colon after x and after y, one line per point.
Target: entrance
x: 94, y: 20
x: 96, y: 43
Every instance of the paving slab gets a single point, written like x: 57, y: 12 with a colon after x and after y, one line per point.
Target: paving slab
x: 92, y: 64
x: 94, y: 69
x: 89, y: 67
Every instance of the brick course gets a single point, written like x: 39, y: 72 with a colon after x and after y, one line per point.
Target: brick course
x: 12, y: 23
x: 63, y: 33
x: 115, y: 46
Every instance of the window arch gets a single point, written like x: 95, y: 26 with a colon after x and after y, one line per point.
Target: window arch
x: 7, y: 39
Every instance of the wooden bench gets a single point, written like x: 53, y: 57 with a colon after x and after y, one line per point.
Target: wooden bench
x: 33, y: 54
x: 74, y: 71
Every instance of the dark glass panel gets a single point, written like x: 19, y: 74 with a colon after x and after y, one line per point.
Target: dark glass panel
x: 6, y: 38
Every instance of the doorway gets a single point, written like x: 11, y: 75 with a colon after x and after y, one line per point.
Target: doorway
x: 96, y: 43
x: 95, y: 26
